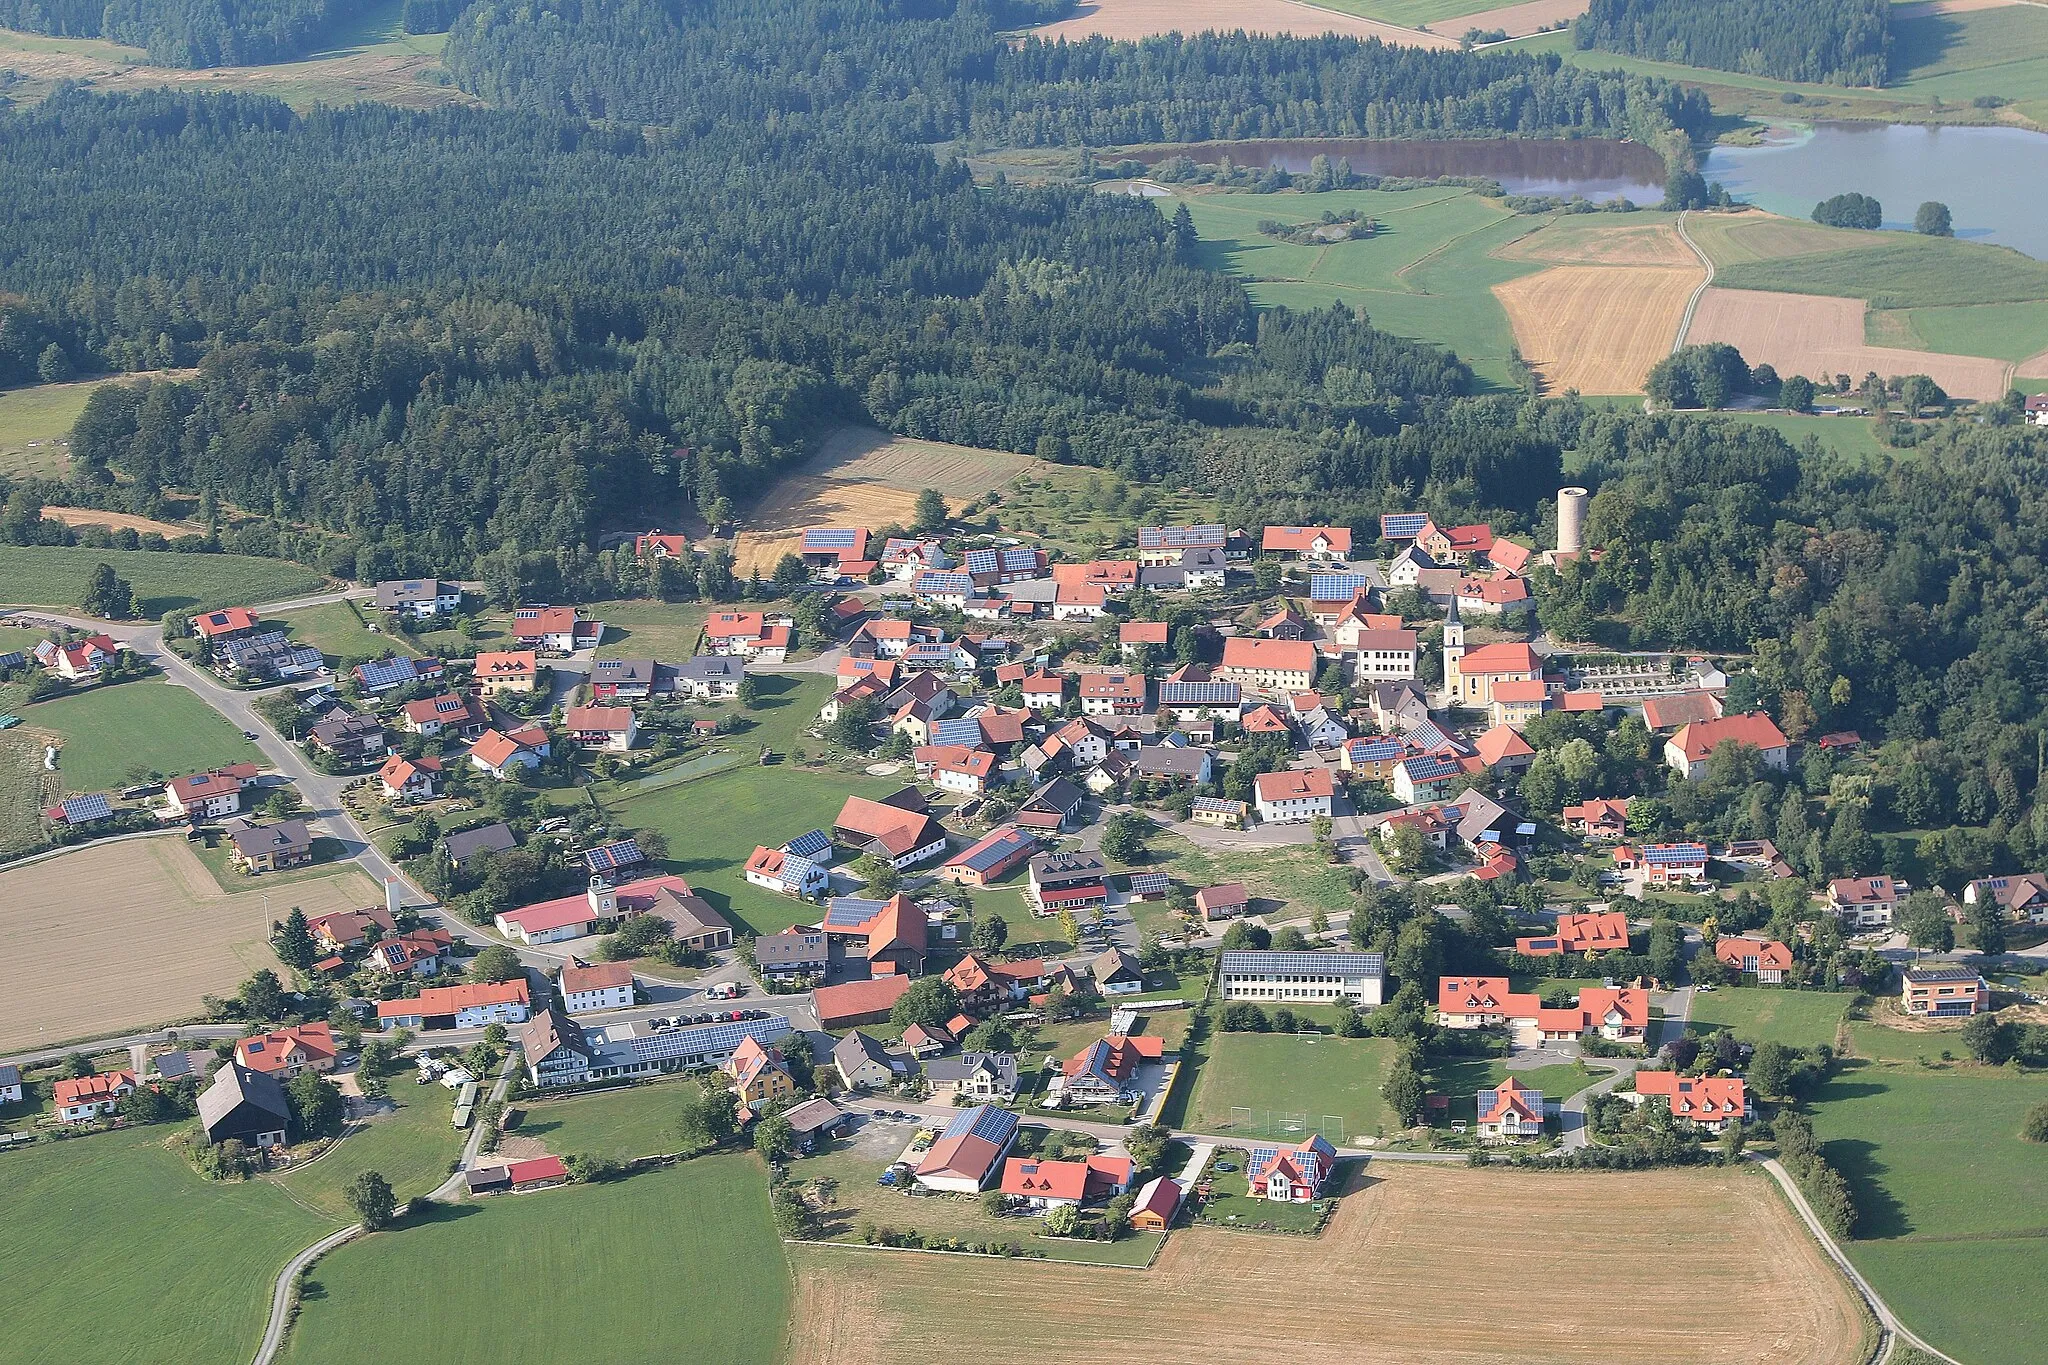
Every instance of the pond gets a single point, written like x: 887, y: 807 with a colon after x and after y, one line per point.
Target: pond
x: 1992, y: 179
x: 1596, y: 168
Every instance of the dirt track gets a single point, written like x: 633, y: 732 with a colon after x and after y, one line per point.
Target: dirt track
x: 1813, y: 335
x: 1425, y: 1267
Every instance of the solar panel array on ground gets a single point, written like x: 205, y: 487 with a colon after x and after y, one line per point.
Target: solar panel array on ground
x: 1148, y: 883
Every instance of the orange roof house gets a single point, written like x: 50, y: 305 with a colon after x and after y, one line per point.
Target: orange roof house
x: 1599, y: 933
x: 858, y: 1002
x: 1322, y: 542
x: 1272, y: 665
x: 1601, y: 818
x: 217, y: 625
x: 1504, y: 747
x: 289, y: 1051
x: 1509, y: 1111
x: 1764, y: 958
x: 1687, y: 751
x: 1710, y: 1102
x: 1477, y: 1001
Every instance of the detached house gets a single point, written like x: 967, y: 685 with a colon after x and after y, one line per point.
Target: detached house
x: 348, y: 736
x: 1106, y: 1071
x: 79, y: 660
x: 1321, y: 543
x: 983, y: 1077
x: 288, y: 1052
x: 1270, y: 666
x: 1113, y: 694
x: 1044, y: 1185
x: 1509, y: 1112
x: 586, y: 988
x: 472, y: 1006
x: 271, y: 848
x: 1292, y: 797
x: 450, y: 713
x: 82, y: 1099
x: 1687, y: 752
x: 506, y: 671
x: 410, y: 779
x: 758, y: 1074
x: 798, y: 868
x: 1600, y: 818
x: 749, y: 634
x: 1294, y: 1174
x: 1708, y: 1102
x: 419, y: 598
x: 612, y: 728
x: 210, y: 795
x: 1765, y: 959
x: 245, y: 1106
x: 228, y: 624
x: 2023, y: 897
x: 1865, y: 902
x: 1943, y: 992
x: 504, y: 756
x: 1596, y: 933
x: 562, y: 629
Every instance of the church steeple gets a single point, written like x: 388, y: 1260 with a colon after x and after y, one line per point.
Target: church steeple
x: 1454, y: 651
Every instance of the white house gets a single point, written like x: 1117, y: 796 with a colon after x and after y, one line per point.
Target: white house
x: 1291, y: 797
x: 587, y: 989
x: 419, y: 598
x: 556, y: 920
x: 84, y: 1098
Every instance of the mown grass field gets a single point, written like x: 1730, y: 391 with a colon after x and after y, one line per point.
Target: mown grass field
x: 2003, y: 331
x: 1769, y: 1014
x: 26, y: 790
x: 56, y: 575
x: 1407, y: 13
x: 1854, y: 437
x: 117, y: 1251
x: 411, y: 1149
x: 624, y: 1123
x: 33, y: 420
x: 1324, y: 1077
x: 114, y: 735
x: 1905, y: 271
x: 1945, y: 1231
x: 341, y: 636
x: 674, y: 1264
x: 666, y: 631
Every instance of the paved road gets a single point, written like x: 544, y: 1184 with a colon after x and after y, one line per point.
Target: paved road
x: 1572, y: 1114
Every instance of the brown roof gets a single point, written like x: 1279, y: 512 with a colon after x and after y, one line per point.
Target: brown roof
x: 583, y: 976
x: 856, y: 999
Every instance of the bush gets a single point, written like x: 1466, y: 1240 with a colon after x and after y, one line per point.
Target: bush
x: 2034, y: 1128
x: 1850, y: 210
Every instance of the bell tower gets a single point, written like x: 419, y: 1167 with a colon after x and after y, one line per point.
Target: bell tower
x: 1454, y: 653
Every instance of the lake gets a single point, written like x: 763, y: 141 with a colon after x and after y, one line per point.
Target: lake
x: 1990, y: 178
x: 1593, y: 167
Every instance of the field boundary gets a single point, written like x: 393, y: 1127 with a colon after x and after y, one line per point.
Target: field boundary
x: 1692, y: 305
x: 981, y: 1255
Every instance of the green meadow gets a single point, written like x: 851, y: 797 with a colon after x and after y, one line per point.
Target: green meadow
x: 56, y: 575
x: 115, y: 735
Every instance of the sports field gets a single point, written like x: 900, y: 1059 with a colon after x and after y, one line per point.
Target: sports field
x: 679, y: 1264
x: 110, y: 736
x: 1940, y: 1173
x: 1392, y: 1284
x: 117, y: 1251
x: 138, y: 934
x: 410, y: 1148
x: 1293, y: 1084
x: 56, y: 575
x: 1768, y: 1014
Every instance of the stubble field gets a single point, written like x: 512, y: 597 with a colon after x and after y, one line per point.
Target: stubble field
x: 124, y: 935
x: 1597, y: 329
x: 1817, y: 335
x: 1132, y: 19
x: 1417, y: 1268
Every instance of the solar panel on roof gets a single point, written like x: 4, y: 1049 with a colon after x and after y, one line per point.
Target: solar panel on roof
x: 1337, y: 587
x: 808, y: 845
x: 1403, y: 525
x: 982, y: 858
x: 958, y: 730
x: 830, y: 538
x: 852, y: 910
x: 94, y: 806
x: 983, y: 561
x: 613, y: 856
x: 1198, y: 693
x: 1664, y: 855
x: 1142, y: 882
x: 1020, y: 557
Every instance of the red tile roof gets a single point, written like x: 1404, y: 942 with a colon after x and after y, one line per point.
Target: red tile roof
x: 1755, y: 729
x: 94, y: 1089
x: 1297, y: 656
x: 1770, y: 954
x: 1295, y: 785
x: 1501, y: 743
x: 511, y: 663
x: 440, y: 1000
x: 539, y: 1168
x: 271, y: 1052
x: 600, y: 976
x: 1303, y: 538
x: 224, y: 622
x: 1497, y: 659
x: 1704, y: 1099
x: 856, y: 999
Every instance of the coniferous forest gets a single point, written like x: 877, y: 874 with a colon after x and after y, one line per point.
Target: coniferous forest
x: 1836, y: 42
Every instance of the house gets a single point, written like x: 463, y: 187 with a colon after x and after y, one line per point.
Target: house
x: 955, y: 768
x: 1618, y: 1014
x: 1687, y: 752
x: 708, y: 677
x: 1157, y: 1203
x: 1054, y: 807
x: 612, y: 728
x: 858, y: 1002
x: 269, y: 848
x: 1398, y: 706
x: 1517, y: 703
x: 1174, y: 763
x: 1765, y: 959
x: 1225, y: 901
x: 969, y: 1150
x: 506, y: 671
x: 1105, y: 1071
x: 1425, y: 777
x: 1599, y: 818
x: 1265, y: 720
x: 1940, y: 992
x: 562, y: 629
x: 1044, y: 1185
x: 290, y: 1051
x: 556, y: 1049
x: 342, y: 930
x: 657, y: 544
x: 1166, y: 544
x: 418, y: 952
x: 1074, y: 881
x: 10, y: 1083
x: 625, y: 679
x: 1293, y: 796
x: 997, y: 566
x: 792, y: 953
x: 944, y: 588
x: 1665, y: 715
x: 505, y: 756
x: 1191, y: 693
x: 1504, y: 749
x: 487, y: 1179
x: 1709, y: 1102
x: 1293, y: 1174
x: 1320, y: 729
x: 410, y: 779
x: 269, y: 654
x: 1455, y: 544
x: 244, y: 1106
x: 468, y: 845
x: 1317, y: 978
x: 1483, y: 1001
x: 748, y: 635
x: 691, y: 919
x: 1681, y: 864
x: 1321, y: 543
x: 81, y: 1099
x: 889, y: 934
x: 983, y: 1077
x: 471, y: 1006
x: 990, y: 858
x: 77, y: 660
x: 1509, y: 1112
x: 1381, y: 655
x: 814, y: 1119
x: 896, y: 829
x: 1135, y: 636
x: 864, y: 1063
x: 1269, y: 666
x: 1113, y: 694
x: 758, y: 1075
x: 985, y: 985
x: 799, y: 868
x: 1865, y: 902
x: 1116, y: 972
x: 2022, y: 897
x: 905, y: 558
x: 1596, y: 933
x: 419, y: 598
x: 348, y: 736
x: 210, y: 795
x: 923, y: 1041
x: 1372, y: 757
x: 587, y: 988
x: 831, y: 552
x: 1218, y: 812
x: 216, y: 627
x: 377, y: 676
x: 537, y: 1173
x: 450, y: 713
x: 1044, y: 691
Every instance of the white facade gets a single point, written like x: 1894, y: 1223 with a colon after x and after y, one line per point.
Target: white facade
x: 1293, y: 810
x: 603, y: 998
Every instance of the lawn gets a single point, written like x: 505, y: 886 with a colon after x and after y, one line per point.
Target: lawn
x: 111, y: 735
x: 40, y: 416
x: 338, y: 631
x: 411, y: 1149
x: 1854, y: 437
x: 622, y: 1123
x: 1902, y: 271
x: 642, y: 629
x: 1879, y: 1043
x: 55, y: 576
x: 116, y: 1251
x: 1939, y: 1173
x: 675, y: 1264
x: 1330, y: 1080
x: 1769, y: 1014
x: 1462, y: 1079
x: 2003, y: 331
x: 1295, y: 874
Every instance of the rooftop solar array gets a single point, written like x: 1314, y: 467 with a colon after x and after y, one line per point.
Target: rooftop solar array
x: 707, y: 1039
x: 1666, y: 855
x: 796, y: 870
x: 1403, y: 525
x: 1374, y: 750
x: 1199, y: 693
x: 611, y: 857
x: 1337, y: 587
x: 846, y: 910
x: 1427, y: 735
x: 1427, y: 767
x: 958, y: 730
x: 386, y: 672
x: 830, y: 538
x: 1179, y: 537
x: 994, y: 849
x: 1305, y: 964
x: 94, y: 806
x: 983, y: 1121
x: 935, y: 580
x: 808, y: 845
x: 1214, y: 803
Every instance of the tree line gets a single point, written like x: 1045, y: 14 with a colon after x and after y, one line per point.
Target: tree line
x: 1836, y: 42
x: 184, y: 33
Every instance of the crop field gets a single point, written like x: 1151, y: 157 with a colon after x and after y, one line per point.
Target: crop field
x: 35, y: 420
x: 1891, y: 269
x: 110, y: 736
x: 410, y: 1148
x: 56, y: 575
x: 27, y: 789
x: 676, y: 1264
x: 1130, y: 19
x: 120, y: 521
x: 1408, y: 1293
x: 1645, y: 238
x: 1814, y: 335
x: 369, y: 59
x: 1935, y: 1160
x: 1335, y: 1082
x: 1597, y: 329
x: 116, y: 1250
x: 140, y: 933
x: 776, y: 523
x: 1769, y: 1014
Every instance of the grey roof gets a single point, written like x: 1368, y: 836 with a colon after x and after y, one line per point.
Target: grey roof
x: 1115, y: 962
x: 399, y: 591
x: 953, y: 1070
x: 253, y: 839
x: 10, y: 1074
x: 1163, y: 576
x: 1079, y: 865
x: 1171, y: 759
x: 1060, y: 794
x: 856, y: 1048
x: 813, y: 1114
x: 1482, y: 813
x: 626, y: 671
x: 789, y: 948
x: 1370, y: 965
x: 235, y: 1085
x: 710, y: 667
x: 1930, y: 974
x: 495, y: 837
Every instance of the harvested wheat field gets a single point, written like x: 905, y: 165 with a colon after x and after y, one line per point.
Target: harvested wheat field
x: 1752, y: 236
x: 1575, y: 240
x: 119, y: 521
x: 1597, y: 329
x: 1813, y: 335
x: 1131, y: 19
x: 1519, y: 20
x: 1390, y: 1281
x: 864, y: 477
x: 125, y: 935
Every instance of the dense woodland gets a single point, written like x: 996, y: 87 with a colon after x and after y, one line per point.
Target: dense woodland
x: 1837, y: 42
x: 187, y: 33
